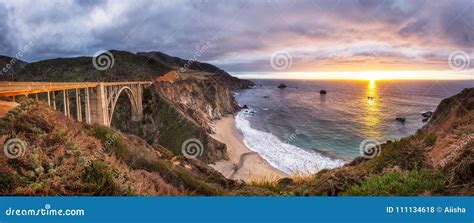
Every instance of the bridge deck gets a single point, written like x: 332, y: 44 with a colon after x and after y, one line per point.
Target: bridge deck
x: 24, y: 88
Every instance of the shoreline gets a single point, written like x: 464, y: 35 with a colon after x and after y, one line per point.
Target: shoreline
x: 243, y: 164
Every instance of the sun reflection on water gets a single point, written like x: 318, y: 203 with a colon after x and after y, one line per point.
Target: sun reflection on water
x: 372, y: 107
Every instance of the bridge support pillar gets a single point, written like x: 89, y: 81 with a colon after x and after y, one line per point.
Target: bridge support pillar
x: 78, y: 105
x: 49, y: 99
x: 98, y: 105
x: 87, y: 106
x: 137, y: 110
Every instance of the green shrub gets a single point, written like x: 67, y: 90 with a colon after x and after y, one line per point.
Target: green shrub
x: 112, y: 142
x: 406, y: 183
x: 101, y: 179
x: 179, y: 177
x: 403, y: 154
x: 6, y: 183
x: 430, y: 140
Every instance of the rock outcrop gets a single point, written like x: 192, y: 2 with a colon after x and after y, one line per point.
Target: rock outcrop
x: 281, y: 86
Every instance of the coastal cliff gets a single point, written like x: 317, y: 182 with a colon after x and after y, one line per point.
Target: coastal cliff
x: 176, y: 110
x: 201, y: 98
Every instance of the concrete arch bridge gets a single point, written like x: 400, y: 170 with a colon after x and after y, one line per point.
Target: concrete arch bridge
x: 95, y: 102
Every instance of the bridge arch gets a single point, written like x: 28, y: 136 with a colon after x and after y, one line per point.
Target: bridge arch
x: 132, y: 96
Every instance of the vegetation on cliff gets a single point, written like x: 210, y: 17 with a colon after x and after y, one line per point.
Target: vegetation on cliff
x: 65, y: 157
x: 163, y: 124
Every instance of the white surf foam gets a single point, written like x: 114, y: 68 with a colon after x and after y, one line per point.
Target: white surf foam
x: 285, y: 157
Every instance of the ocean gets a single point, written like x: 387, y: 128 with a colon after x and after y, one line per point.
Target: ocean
x: 299, y: 131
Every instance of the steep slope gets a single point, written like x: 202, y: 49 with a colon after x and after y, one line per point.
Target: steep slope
x: 165, y: 124
x: 200, y: 98
x: 59, y: 156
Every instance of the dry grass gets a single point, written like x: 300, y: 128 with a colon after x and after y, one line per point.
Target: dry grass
x: 62, y: 158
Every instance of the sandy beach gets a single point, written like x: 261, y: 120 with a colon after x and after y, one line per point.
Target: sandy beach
x: 244, y: 164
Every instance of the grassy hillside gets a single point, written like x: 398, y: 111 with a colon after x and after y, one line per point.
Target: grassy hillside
x: 65, y: 157
x: 126, y: 67
x: 10, y: 67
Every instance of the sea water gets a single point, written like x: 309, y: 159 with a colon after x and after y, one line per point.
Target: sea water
x: 298, y: 130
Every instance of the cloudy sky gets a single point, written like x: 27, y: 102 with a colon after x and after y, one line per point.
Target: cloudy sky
x: 250, y: 36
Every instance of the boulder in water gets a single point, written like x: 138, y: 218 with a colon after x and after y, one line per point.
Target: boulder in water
x: 427, y: 114
x: 282, y: 85
x: 245, y: 107
x: 401, y: 119
x: 323, y: 92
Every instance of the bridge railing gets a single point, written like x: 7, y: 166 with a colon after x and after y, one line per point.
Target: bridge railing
x: 26, y: 88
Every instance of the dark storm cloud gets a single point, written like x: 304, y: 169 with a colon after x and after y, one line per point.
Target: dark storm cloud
x: 242, y: 34
x: 5, y: 37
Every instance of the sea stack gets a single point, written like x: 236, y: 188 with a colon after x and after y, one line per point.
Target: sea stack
x: 427, y: 114
x: 282, y: 85
x: 401, y: 119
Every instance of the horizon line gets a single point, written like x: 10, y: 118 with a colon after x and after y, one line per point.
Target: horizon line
x: 467, y: 74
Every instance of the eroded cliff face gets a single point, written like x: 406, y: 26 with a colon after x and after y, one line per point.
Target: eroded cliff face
x: 170, y: 124
x: 181, y: 106
x: 201, y: 100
